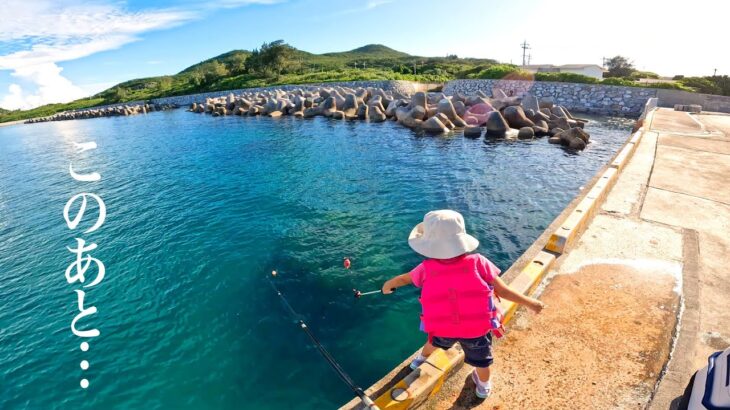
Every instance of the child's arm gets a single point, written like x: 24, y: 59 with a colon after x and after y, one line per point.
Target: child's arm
x: 396, y: 282
x: 503, y: 290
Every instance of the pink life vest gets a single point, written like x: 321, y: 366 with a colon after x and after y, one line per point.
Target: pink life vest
x: 457, y: 302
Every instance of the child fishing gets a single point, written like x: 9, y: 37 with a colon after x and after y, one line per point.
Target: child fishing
x: 457, y: 293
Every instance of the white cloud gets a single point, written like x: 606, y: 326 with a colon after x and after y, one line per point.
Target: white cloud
x: 51, y: 86
x: 371, y: 4
x: 64, y: 20
x: 63, y: 31
x: 229, y: 4
x: 40, y: 33
x: 376, y: 3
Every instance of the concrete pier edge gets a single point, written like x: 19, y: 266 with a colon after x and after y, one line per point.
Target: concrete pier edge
x: 673, y: 377
x: 404, y: 389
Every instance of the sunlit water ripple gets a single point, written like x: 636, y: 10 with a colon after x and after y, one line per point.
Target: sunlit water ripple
x: 201, y: 208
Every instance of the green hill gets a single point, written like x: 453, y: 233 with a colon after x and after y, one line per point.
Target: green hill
x: 276, y: 63
x: 371, y: 51
x: 228, y: 59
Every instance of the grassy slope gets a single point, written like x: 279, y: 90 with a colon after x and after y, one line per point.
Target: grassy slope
x: 371, y: 62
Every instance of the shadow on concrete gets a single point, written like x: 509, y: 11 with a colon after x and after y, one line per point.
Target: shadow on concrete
x: 393, y: 380
x: 467, y: 398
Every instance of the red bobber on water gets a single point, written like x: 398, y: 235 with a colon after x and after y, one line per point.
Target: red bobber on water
x: 346, y: 263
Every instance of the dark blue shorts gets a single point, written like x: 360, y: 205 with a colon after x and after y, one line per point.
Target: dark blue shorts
x: 477, y: 351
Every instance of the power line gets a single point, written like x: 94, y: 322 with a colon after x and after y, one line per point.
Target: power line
x: 525, y: 47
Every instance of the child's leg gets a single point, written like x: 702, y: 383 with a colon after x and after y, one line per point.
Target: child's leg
x: 426, y: 351
x: 478, y: 353
x: 428, y: 348
x: 484, y: 374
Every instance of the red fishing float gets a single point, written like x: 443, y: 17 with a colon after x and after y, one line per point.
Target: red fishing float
x: 346, y: 263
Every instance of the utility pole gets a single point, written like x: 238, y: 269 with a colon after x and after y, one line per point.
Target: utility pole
x: 525, y: 47
x: 529, y: 58
x: 714, y: 74
x: 414, y: 68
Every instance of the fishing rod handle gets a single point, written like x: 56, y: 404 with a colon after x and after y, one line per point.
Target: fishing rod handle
x: 369, y: 403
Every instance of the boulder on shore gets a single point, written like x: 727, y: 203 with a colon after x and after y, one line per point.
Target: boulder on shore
x: 477, y: 114
x: 516, y: 118
x: 419, y: 100
x: 574, y: 138
x: 377, y: 115
x: 434, y: 126
x: 446, y: 121
x: 577, y: 144
x: 458, y: 122
x: 529, y: 102
x: 526, y: 133
x: 473, y: 132
x: 555, y: 131
x: 329, y: 106
x: 541, y: 128
x: 496, y: 125
x: 460, y: 108
x: 363, y: 112
x: 447, y: 108
x: 350, y: 106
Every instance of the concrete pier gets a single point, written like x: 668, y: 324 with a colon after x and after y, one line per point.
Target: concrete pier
x: 638, y: 292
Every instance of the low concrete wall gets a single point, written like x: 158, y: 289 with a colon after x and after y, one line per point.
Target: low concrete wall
x: 709, y: 102
x: 403, y: 87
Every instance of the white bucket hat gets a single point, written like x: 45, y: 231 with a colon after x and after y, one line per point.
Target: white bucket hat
x: 442, y: 235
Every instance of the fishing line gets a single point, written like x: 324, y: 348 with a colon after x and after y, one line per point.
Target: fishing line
x: 327, y: 356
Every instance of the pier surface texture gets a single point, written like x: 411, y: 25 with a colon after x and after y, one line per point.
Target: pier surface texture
x: 636, y: 299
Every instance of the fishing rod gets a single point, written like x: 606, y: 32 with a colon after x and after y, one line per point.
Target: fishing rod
x: 358, y: 294
x: 367, y: 401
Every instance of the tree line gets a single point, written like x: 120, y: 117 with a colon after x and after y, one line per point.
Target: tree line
x: 620, y: 67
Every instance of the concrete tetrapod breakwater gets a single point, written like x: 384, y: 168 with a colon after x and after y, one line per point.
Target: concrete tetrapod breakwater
x: 105, y: 111
x: 585, y: 98
x: 606, y: 336
x: 429, y: 112
x: 394, y: 86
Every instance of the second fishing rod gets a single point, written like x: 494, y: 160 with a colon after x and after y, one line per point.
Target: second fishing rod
x: 366, y: 400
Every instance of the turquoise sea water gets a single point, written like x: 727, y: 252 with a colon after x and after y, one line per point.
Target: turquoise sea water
x: 200, y: 209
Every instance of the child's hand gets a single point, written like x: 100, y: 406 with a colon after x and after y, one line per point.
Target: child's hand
x: 387, y: 289
x: 536, y: 306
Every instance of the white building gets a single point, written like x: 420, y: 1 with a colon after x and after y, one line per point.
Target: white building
x: 590, y: 70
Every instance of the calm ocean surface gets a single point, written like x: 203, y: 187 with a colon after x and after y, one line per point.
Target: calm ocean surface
x: 200, y: 209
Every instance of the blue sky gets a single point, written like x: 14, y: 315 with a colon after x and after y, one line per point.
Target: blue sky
x: 58, y: 50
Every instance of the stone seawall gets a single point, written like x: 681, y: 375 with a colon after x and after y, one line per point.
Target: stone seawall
x: 402, y: 87
x: 593, y: 98
x: 588, y: 98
